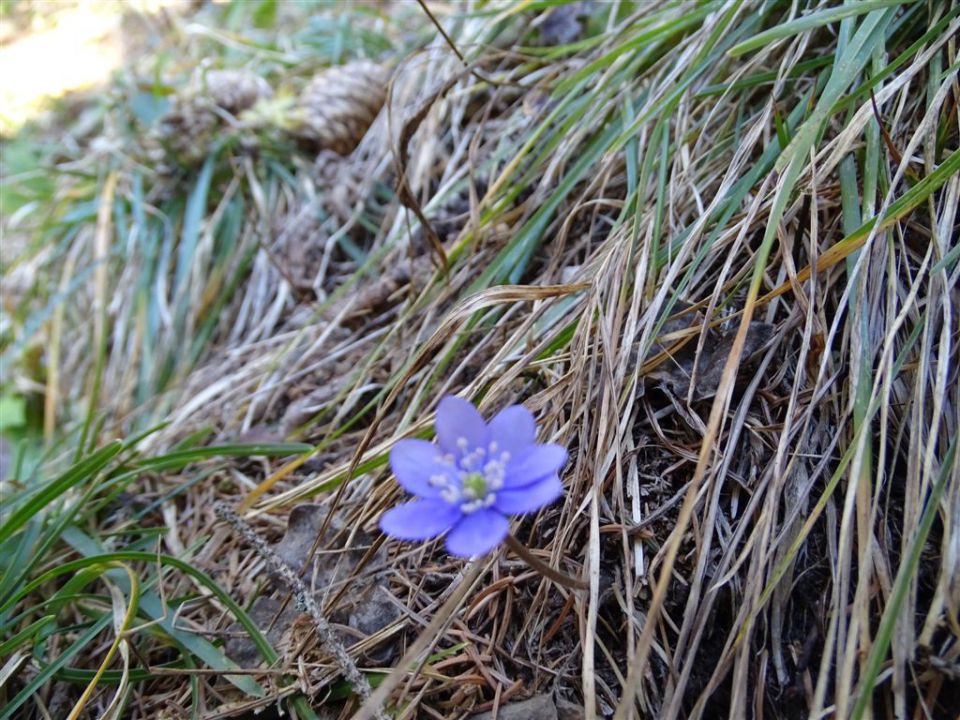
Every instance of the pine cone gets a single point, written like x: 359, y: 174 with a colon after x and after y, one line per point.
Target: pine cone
x: 235, y: 90
x: 339, y: 105
x: 185, y: 132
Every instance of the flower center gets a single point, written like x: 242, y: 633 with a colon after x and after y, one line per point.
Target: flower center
x: 480, y: 473
x: 474, y: 485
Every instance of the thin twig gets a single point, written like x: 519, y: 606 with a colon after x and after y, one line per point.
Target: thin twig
x: 456, y: 51
x: 305, y: 601
x: 541, y: 567
x: 439, y: 27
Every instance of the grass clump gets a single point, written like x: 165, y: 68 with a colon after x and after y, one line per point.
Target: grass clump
x: 712, y: 246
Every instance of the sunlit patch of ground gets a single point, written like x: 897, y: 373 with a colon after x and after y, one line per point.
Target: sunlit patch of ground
x: 66, y: 46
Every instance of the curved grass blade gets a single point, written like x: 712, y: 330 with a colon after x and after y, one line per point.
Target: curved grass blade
x: 810, y: 22
x: 84, y: 470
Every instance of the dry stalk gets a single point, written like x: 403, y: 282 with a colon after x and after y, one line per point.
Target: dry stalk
x: 372, y: 706
x: 305, y: 602
x: 541, y: 567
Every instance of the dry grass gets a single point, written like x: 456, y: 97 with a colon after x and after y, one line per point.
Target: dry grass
x: 712, y: 247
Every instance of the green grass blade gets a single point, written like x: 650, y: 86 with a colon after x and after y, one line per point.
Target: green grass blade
x: 49, y: 670
x: 811, y: 22
x: 906, y: 572
x: 81, y: 472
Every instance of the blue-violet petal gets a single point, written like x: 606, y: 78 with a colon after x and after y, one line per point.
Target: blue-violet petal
x: 513, y: 429
x: 457, y: 418
x: 477, y: 533
x: 414, y: 462
x: 533, y: 463
x: 530, y: 498
x: 420, y: 519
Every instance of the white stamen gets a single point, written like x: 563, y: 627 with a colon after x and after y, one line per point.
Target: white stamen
x: 470, y: 507
x: 450, y: 495
x: 493, y: 472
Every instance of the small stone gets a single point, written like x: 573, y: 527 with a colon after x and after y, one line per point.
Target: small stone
x: 539, y: 707
x: 567, y: 710
x: 267, y: 612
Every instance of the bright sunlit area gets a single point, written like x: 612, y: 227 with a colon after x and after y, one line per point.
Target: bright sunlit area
x: 49, y: 48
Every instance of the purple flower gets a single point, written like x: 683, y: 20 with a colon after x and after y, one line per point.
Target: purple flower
x: 476, y: 475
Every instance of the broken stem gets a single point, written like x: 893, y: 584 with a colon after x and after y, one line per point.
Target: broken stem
x: 305, y: 601
x: 541, y: 567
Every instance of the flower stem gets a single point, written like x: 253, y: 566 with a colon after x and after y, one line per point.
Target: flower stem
x: 541, y: 567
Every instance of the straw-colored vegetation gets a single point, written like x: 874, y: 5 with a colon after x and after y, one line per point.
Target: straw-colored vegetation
x: 713, y: 246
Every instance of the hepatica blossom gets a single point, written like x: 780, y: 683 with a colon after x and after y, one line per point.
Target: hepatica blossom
x: 476, y: 475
